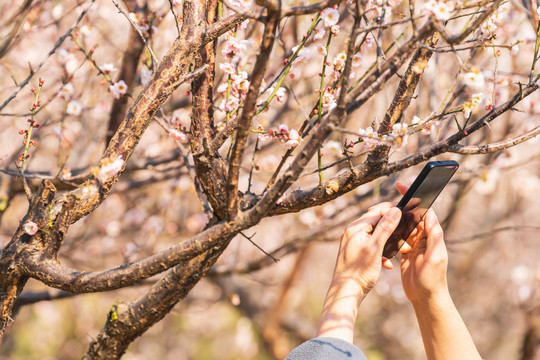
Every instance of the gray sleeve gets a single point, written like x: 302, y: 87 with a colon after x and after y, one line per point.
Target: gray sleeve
x: 326, y: 348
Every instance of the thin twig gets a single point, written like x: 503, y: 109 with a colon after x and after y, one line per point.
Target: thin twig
x: 155, y: 61
x: 52, y: 51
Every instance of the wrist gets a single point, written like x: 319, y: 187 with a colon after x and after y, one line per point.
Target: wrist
x: 340, y: 308
x: 432, y: 301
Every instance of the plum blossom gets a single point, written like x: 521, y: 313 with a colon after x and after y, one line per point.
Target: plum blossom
x: 62, y: 56
x: 474, y: 79
x: 370, y: 137
x: 442, y: 10
x: 339, y: 61
x: 427, y: 125
x: 515, y: 49
x: 318, y: 34
x: 110, y: 168
x: 470, y: 106
x: 333, y: 147
x: 30, y: 228
x: 283, y: 134
x: 107, y: 68
x: 321, y: 50
x: 118, y: 89
x: 491, y: 24
x: 303, y: 57
x: 227, y: 68
x: 399, y: 134
x: 233, y: 47
x: 334, y: 29
x: 67, y: 91
x: 357, y: 60
x: 294, y: 138
x: 330, y: 16
x: 74, y: 108
x: 328, y: 100
x: 281, y: 94
x: 178, y: 135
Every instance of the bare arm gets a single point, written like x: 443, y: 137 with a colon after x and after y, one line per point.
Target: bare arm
x: 423, y: 272
x: 357, y: 269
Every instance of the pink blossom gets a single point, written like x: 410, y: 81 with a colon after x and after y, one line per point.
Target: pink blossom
x: 440, y: 9
x: 357, y: 60
x: 178, y: 135
x: 319, y: 34
x: 330, y: 16
x: 328, y: 100
x: 294, y: 138
x: 67, y: 91
x: 281, y: 94
x: 118, y: 89
x: 107, y: 68
x: 232, y: 104
x: 335, y: 30
x: 321, y: 49
x: 74, y: 108
x: 227, y: 68
x: 30, y: 228
x: 222, y: 87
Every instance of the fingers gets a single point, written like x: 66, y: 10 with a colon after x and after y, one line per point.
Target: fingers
x: 387, y: 225
x: 406, y: 248
x: 369, y: 220
x: 434, y: 231
x: 383, y: 205
x: 387, y: 264
x: 402, y: 188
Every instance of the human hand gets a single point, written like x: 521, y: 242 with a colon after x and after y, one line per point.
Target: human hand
x: 424, y: 259
x: 357, y: 269
x: 360, y: 252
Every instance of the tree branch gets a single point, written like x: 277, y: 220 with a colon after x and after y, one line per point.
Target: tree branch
x: 248, y: 111
x: 494, y: 147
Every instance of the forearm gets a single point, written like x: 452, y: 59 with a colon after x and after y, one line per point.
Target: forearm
x: 340, y: 310
x: 444, y: 333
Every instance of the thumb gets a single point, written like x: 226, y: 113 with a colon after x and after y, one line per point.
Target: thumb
x: 386, y: 226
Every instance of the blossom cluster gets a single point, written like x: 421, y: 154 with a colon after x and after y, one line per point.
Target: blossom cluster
x: 471, y: 105
x: 491, y: 24
x: 283, y: 134
x: 426, y: 125
x: 442, y: 10
x: 180, y: 133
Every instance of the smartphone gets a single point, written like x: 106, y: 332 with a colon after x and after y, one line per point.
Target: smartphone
x: 417, y: 201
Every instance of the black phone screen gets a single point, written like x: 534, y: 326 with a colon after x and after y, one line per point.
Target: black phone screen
x: 418, y: 199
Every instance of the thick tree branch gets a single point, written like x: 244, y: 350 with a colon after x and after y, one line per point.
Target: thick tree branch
x: 343, y: 183
x: 248, y: 111
x: 51, y: 273
x: 127, y: 321
x: 402, y: 98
